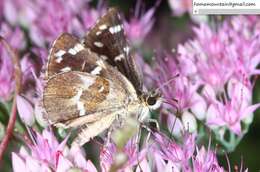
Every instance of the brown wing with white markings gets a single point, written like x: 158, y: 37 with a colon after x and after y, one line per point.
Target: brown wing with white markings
x: 107, y: 38
x: 68, y: 54
x: 84, y: 90
x: 70, y: 70
x: 71, y: 95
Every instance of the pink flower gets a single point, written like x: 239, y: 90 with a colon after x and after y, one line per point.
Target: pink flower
x: 89, y: 16
x: 206, y: 161
x: 207, y: 54
x: 173, y: 152
x: 179, y: 88
x: 49, y: 155
x: 183, y: 90
x: 244, y: 39
x: 218, y: 56
x: 233, y: 110
x: 25, y: 110
x: 133, y: 156
x: 56, y: 21
x: 73, y: 16
x: 162, y: 165
x: 214, y: 75
x: 140, y: 24
x: 19, y: 12
x: 180, y: 7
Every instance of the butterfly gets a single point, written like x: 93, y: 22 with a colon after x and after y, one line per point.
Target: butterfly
x: 93, y: 82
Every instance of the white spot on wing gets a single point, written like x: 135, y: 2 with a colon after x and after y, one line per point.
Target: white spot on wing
x: 72, y: 51
x: 77, y: 48
x: 98, y: 33
x: 104, y: 57
x: 80, y: 104
x: 98, y: 44
x: 60, y: 53
x: 66, y: 69
x: 81, y: 108
x: 59, y: 59
x: 119, y: 57
x: 87, y: 81
x: 96, y: 71
x: 103, y: 27
x: 115, y: 29
x: 126, y: 50
x: 78, y: 95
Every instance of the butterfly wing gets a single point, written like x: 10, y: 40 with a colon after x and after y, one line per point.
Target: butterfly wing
x: 68, y: 54
x: 85, y: 101
x: 84, y: 90
x: 71, y: 95
x: 107, y: 38
x: 64, y: 84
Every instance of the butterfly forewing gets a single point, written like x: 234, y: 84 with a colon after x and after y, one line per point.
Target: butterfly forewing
x: 67, y: 54
x: 107, y: 38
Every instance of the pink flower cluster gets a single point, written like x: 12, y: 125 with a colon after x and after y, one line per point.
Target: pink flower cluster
x: 216, y: 77
x: 162, y: 154
x: 49, y: 155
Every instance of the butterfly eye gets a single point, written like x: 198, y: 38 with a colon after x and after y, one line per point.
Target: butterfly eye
x: 151, y: 100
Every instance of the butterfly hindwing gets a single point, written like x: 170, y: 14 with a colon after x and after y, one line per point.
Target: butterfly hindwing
x: 90, y: 130
x: 107, y: 38
x: 72, y: 95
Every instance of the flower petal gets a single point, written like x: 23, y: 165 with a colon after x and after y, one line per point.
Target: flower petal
x: 25, y: 110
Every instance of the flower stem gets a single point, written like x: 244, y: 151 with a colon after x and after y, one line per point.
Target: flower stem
x: 18, y: 78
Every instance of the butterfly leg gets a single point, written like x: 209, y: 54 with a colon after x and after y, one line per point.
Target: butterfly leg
x: 149, y: 133
x: 136, y: 142
x: 109, y: 133
x: 150, y: 120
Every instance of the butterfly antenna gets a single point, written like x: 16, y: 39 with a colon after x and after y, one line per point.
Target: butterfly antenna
x: 170, y: 101
x: 167, y: 82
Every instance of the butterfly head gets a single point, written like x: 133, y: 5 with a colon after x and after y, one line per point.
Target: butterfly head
x: 152, y: 99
